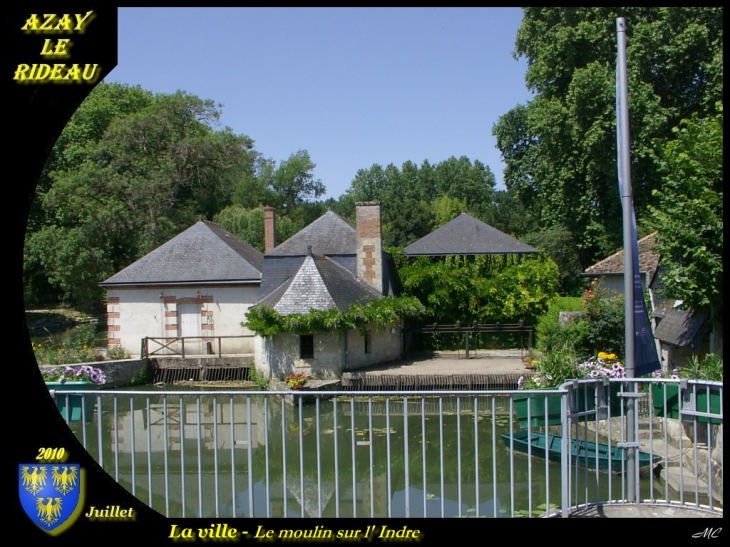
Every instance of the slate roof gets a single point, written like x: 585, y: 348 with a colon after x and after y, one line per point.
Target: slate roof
x: 465, y: 235
x: 329, y: 235
x: 662, y: 304
x: 319, y: 284
x: 204, y: 253
x: 614, y: 264
x: 682, y: 328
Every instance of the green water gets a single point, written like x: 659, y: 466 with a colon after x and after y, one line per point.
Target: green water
x: 208, y: 457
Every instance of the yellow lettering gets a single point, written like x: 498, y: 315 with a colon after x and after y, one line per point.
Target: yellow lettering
x: 31, y: 23
x: 61, y: 49
x: 83, y: 22
x: 74, y: 73
x: 56, y: 73
x: 47, y: 49
x: 42, y: 73
x: 93, y: 76
x: 64, y: 23
x: 52, y: 24
x: 50, y: 17
x: 20, y: 73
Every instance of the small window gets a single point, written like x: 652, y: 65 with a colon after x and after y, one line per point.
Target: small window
x: 306, y: 346
x: 368, y: 342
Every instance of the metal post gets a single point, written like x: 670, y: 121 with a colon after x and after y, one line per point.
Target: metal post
x: 624, y: 166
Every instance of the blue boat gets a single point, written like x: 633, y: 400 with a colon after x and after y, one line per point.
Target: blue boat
x: 584, y: 453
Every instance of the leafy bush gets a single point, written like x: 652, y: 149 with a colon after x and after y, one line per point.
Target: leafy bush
x: 605, y: 320
x: 562, y: 364
x: 115, y: 353
x: 550, y: 335
x: 709, y: 368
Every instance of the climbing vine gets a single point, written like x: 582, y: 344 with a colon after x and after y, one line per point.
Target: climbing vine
x: 381, y: 313
x: 486, y: 289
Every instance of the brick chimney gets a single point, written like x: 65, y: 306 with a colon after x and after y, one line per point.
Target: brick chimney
x: 269, y: 229
x: 369, y: 243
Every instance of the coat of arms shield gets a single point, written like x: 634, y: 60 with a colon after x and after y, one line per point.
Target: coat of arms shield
x: 52, y: 494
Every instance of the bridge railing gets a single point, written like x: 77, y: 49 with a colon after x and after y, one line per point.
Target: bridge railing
x: 226, y: 453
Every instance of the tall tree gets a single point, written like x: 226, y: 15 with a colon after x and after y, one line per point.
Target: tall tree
x: 689, y: 214
x: 414, y: 195
x: 560, y: 148
x: 130, y: 171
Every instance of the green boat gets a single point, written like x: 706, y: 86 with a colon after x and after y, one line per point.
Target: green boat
x: 584, y: 453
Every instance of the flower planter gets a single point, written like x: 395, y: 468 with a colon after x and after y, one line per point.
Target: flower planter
x: 71, y: 406
x: 586, y: 397
x: 673, y: 402
x: 536, y: 405
x: 586, y: 401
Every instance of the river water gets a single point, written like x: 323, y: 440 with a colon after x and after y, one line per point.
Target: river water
x: 221, y: 455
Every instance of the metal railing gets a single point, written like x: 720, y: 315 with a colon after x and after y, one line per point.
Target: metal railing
x: 172, y: 346
x: 415, y: 454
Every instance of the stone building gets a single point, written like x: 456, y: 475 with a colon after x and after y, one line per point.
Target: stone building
x: 198, y: 285
x: 328, y: 264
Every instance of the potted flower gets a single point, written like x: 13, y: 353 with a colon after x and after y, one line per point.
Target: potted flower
x: 554, y: 369
x: 67, y: 378
x: 666, y: 396
x: 296, y: 381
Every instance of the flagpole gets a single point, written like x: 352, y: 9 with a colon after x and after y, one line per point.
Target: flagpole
x: 624, y: 168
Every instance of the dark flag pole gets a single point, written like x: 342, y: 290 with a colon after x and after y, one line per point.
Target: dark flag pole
x: 624, y: 177
x: 641, y: 355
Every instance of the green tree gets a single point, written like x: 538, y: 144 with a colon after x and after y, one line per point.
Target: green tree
x: 689, y: 214
x: 130, y: 171
x: 559, y: 244
x: 293, y: 181
x: 560, y: 147
x: 486, y: 289
x: 413, y: 194
x: 247, y: 224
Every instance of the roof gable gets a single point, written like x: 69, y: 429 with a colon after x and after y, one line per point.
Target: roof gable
x: 204, y: 253
x: 682, y: 328
x: 330, y: 234
x: 319, y: 284
x: 465, y: 235
x: 614, y: 264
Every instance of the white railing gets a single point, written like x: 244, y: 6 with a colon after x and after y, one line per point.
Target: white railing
x: 414, y: 454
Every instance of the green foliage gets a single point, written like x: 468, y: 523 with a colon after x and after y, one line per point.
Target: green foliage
x: 79, y: 349
x: 551, y: 336
x: 296, y: 381
x: 117, y: 353
x: 559, y: 244
x: 142, y: 379
x: 563, y: 364
x: 553, y: 368
x: 381, y: 312
x: 486, y: 289
x: 689, y: 214
x: 560, y: 147
x: 600, y: 329
x: 257, y: 377
x: 248, y: 224
x: 708, y: 368
x: 605, y: 315
x: 425, y: 195
x: 130, y: 171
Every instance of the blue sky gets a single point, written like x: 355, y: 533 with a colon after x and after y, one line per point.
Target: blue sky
x: 352, y: 86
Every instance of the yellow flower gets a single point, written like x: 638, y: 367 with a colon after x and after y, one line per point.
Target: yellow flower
x: 602, y: 355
